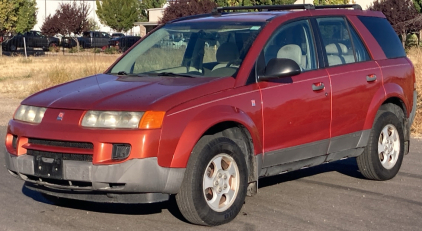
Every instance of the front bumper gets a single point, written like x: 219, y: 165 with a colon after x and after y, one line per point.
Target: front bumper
x: 86, y: 181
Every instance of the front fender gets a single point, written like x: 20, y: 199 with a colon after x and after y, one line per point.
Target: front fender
x: 182, y: 131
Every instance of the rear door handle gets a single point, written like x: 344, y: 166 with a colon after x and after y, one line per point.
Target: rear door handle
x: 371, y: 78
x: 318, y: 86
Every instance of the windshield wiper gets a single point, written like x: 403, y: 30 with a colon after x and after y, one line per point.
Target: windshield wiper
x: 169, y: 74
x: 122, y: 73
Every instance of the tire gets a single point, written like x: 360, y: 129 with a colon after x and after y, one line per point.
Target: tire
x: 53, y: 45
x: 210, y: 206
x: 383, y: 156
x: 12, y: 47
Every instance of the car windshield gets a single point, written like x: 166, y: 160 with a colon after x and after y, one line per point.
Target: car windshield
x: 195, y: 49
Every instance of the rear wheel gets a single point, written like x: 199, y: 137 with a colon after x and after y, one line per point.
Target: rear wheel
x: 214, y: 188
x: 383, y: 155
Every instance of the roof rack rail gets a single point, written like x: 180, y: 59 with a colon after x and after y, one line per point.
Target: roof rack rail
x: 190, y: 17
x: 354, y: 6
x: 219, y: 10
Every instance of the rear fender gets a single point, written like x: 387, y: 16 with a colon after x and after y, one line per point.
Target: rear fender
x: 390, y: 90
x: 377, y: 100
x: 395, y: 90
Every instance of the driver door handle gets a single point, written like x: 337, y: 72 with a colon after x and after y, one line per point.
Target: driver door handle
x: 318, y: 86
x: 371, y: 78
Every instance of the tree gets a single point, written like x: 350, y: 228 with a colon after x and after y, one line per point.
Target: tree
x: 182, y: 9
x: 330, y: 2
x: 6, y: 16
x: 401, y: 14
x: 119, y: 14
x: 26, y: 16
x: 92, y: 24
x: 17, y: 15
x: 418, y: 5
x: 50, y: 26
x: 283, y: 2
x: 70, y: 19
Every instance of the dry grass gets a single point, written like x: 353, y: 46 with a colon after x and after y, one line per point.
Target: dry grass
x: 21, y: 77
x: 415, y: 54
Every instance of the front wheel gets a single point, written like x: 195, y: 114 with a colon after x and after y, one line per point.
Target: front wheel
x: 214, y: 188
x: 383, y: 155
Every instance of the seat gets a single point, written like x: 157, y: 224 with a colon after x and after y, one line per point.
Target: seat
x: 337, y: 54
x: 348, y: 56
x: 334, y: 51
x: 226, y: 53
x: 291, y: 51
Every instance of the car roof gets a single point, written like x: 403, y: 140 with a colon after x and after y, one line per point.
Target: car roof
x: 219, y: 13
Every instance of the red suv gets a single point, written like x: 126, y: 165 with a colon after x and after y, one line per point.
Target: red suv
x: 251, y: 95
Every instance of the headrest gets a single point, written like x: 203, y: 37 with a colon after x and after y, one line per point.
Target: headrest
x: 336, y: 49
x: 291, y: 51
x: 227, y: 52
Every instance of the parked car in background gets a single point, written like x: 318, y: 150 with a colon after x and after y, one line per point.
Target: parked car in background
x: 123, y: 43
x: 117, y: 35
x: 89, y: 39
x: 33, y: 39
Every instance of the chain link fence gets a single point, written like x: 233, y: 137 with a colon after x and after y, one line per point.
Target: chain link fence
x: 35, y: 44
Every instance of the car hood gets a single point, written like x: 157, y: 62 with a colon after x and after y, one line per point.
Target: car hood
x: 109, y: 92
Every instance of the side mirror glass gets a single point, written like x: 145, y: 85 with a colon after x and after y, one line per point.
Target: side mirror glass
x: 279, y: 68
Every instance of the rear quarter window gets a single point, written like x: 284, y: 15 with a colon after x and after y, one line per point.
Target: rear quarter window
x: 386, y: 37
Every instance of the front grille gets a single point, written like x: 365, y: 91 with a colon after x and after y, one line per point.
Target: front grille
x: 62, y: 156
x: 64, y: 144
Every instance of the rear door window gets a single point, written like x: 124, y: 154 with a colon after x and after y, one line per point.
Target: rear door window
x: 338, y: 39
x: 386, y: 37
x: 361, y: 52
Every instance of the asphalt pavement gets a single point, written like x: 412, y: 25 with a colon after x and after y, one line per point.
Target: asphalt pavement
x: 328, y: 197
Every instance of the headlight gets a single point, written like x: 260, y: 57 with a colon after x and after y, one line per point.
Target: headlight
x: 123, y: 119
x: 30, y: 114
x: 112, y: 119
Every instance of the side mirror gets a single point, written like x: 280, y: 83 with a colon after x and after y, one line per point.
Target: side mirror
x: 279, y: 68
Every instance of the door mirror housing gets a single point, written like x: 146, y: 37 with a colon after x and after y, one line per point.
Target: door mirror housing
x: 279, y: 68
